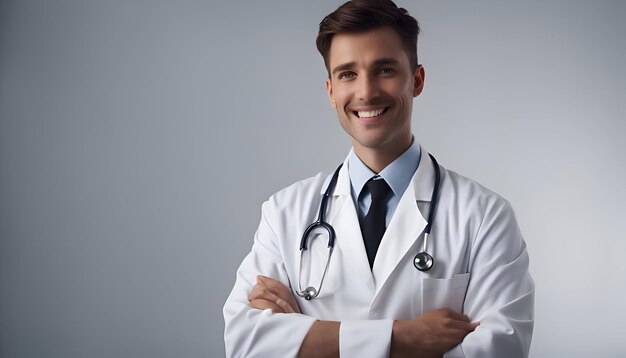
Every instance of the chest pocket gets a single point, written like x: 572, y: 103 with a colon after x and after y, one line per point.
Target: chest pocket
x: 444, y: 292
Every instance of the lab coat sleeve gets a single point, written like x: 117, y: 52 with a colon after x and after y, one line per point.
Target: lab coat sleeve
x: 251, y: 332
x: 365, y: 338
x: 500, y: 293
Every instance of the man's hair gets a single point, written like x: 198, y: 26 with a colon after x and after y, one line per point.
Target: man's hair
x: 363, y: 15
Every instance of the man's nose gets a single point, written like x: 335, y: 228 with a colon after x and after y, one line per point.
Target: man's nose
x: 367, y: 88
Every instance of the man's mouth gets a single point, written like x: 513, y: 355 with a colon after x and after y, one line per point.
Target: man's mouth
x: 370, y: 114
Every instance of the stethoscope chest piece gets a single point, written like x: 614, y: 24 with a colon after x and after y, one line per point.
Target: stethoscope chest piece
x: 308, y: 293
x: 423, y: 261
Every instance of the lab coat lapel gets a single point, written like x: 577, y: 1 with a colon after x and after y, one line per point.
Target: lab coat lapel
x: 343, y: 217
x: 407, y: 223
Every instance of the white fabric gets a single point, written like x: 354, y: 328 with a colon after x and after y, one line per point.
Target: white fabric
x: 365, y: 338
x: 481, y: 269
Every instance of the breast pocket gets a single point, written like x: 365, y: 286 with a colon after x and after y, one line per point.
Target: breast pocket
x: 444, y: 292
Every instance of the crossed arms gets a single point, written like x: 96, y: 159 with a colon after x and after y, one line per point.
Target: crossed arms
x: 430, y: 335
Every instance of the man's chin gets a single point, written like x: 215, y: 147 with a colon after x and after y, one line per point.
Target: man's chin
x: 371, y: 142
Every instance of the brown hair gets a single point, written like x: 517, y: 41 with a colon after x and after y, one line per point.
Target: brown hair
x: 365, y: 15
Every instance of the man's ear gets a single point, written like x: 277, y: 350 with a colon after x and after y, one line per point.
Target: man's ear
x: 418, y: 80
x: 329, y: 91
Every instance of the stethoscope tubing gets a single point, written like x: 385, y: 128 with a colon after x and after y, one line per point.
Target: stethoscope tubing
x: 310, y: 292
x: 423, y: 261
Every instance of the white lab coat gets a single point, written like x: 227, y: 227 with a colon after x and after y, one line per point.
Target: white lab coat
x: 481, y: 269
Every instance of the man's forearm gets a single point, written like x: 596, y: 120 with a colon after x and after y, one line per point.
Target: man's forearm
x: 434, y: 332
x: 321, y: 341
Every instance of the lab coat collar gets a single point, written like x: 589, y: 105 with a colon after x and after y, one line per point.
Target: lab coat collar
x: 424, y: 178
x: 343, y: 182
x: 407, y: 223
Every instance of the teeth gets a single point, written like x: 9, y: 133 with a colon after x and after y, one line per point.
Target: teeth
x: 370, y: 114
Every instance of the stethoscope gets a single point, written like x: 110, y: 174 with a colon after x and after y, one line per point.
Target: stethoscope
x: 422, y: 261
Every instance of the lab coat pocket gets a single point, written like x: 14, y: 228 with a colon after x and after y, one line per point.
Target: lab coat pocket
x: 444, y: 292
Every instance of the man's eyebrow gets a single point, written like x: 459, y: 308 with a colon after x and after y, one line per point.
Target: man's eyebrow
x: 386, y: 61
x: 343, y: 67
x: 379, y: 62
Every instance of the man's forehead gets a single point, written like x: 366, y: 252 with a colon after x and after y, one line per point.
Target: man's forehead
x: 385, y: 33
x: 366, y: 48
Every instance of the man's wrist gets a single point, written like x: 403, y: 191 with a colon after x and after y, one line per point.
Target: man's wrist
x: 397, y: 337
x: 322, y: 340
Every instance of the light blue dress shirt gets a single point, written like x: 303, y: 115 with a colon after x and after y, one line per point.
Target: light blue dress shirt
x: 398, y: 175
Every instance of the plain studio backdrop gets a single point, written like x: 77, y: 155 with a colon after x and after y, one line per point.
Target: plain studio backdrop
x: 139, y: 138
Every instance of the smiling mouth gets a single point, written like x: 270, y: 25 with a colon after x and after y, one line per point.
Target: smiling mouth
x: 370, y: 114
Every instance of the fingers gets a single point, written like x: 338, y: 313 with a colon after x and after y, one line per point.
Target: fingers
x: 280, y: 290
x: 274, y: 285
x: 463, y: 325
x: 262, y: 304
x: 446, y: 312
x: 458, y: 317
x: 451, y: 320
x: 260, y: 291
x: 278, y: 305
x: 274, y: 291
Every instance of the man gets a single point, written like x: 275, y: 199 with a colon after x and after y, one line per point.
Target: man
x: 475, y: 301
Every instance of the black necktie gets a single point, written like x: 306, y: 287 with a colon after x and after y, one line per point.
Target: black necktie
x: 373, y: 225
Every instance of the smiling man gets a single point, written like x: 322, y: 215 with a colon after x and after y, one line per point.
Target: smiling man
x: 405, y: 257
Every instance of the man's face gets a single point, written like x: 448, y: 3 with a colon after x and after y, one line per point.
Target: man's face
x: 372, y: 87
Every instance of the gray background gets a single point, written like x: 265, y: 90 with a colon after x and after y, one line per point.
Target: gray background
x: 139, y: 138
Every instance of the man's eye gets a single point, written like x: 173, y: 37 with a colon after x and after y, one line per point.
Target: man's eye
x: 386, y: 71
x: 346, y: 75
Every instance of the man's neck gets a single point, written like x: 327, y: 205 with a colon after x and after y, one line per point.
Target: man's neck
x: 378, y: 158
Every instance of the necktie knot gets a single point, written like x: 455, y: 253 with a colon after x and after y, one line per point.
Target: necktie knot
x: 379, y: 189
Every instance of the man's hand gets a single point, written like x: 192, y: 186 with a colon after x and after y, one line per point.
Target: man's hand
x: 272, y: 294
x: 430, y: 335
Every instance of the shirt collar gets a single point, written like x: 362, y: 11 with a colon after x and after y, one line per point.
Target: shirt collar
x: 398, y: 174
